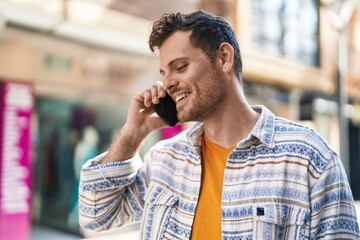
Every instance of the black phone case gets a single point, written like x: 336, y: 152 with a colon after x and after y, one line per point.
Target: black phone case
x: 166, y: 109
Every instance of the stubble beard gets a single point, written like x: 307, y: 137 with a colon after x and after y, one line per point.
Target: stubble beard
x: 205, y: 104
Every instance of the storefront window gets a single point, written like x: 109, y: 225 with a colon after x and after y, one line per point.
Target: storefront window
x: 287, y: 28
x: 67, y: 134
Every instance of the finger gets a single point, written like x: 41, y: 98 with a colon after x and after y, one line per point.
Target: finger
x: 147, y: 98
x: 160, y: 89
x: 155, y: 94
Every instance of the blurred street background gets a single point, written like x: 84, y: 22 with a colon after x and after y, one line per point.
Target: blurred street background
x: 69, y: 69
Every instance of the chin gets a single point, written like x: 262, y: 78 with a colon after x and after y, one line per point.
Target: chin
x: 183, y: 118
x: 188, y: 118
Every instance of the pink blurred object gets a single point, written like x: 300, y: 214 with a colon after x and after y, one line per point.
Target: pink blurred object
x: 169, y: 132
x: 16, y: 102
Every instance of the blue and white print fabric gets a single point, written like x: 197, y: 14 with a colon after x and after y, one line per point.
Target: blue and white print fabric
x: 282, y: 182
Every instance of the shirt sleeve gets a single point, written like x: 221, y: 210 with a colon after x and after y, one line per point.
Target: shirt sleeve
x: 111, y: 195
x: 333, y: 212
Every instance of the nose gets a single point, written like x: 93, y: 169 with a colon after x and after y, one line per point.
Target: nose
x: 169, y: 83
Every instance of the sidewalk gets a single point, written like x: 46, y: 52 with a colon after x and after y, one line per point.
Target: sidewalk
x: 39, y: 232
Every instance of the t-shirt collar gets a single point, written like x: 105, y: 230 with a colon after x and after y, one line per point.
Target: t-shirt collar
x: 263, y: 130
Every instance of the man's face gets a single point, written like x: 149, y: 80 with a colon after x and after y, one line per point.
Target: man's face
x: 192, y: 80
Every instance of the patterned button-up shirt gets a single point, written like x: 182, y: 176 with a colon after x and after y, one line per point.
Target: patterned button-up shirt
x: 281, y: 182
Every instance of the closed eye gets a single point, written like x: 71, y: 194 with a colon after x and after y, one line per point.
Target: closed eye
x: 181, y: 68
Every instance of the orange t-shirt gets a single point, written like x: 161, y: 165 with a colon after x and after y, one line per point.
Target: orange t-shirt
x: 207, y: 221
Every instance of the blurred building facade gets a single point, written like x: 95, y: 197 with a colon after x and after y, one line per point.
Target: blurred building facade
x: 86, y: 59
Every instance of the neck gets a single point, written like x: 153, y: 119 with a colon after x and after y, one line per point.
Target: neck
x: 232, y: 122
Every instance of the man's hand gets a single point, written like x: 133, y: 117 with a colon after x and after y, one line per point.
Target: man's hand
x: 141, y: 115
x: 141, y: 120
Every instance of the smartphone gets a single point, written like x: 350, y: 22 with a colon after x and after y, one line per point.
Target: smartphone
x: 166, y: 109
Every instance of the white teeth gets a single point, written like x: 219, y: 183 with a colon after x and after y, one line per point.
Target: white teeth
x: 181, y: 96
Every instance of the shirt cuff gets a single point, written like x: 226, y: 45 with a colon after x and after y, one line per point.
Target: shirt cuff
x: 95, y: 176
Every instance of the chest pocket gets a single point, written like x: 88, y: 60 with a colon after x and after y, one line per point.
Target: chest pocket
x: 280, y: 221
x: 159, y: 206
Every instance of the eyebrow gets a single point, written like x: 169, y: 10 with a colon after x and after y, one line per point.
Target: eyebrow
x: 172, y: 62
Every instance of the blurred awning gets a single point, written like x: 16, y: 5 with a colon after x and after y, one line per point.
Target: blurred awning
x: 120, y: 25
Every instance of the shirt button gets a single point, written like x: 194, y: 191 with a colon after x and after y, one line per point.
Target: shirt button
x: 192, y: 198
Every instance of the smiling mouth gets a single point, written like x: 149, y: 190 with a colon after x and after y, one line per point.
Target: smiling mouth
x: 181, y: 97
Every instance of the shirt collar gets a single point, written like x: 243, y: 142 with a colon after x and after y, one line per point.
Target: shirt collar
x: 263, y: 130
x: 195, y: 133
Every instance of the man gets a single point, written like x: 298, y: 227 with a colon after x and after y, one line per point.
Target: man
x: 238, y: 173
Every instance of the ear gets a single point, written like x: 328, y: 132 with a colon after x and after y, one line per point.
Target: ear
x: 226, y: 53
